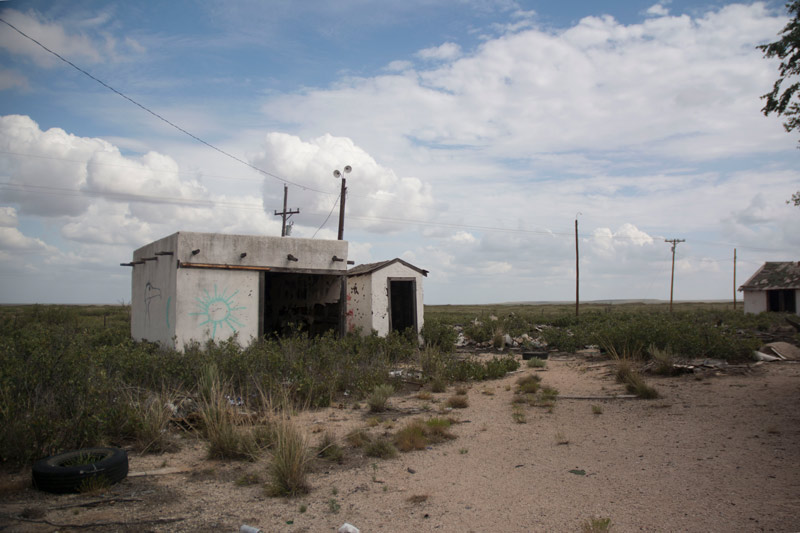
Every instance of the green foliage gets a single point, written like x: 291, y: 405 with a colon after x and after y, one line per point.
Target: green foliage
x: 782, y: 99
x: 329, y: 449
x: 633, y: 381
x: 290, y: 461
x: 596, y: 525
x: 380, y: 395
x: 380, y: 448
x: 439, y: 335
x: 480, y: 329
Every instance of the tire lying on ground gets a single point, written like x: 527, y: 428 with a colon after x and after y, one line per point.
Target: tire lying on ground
x: 80, y: 469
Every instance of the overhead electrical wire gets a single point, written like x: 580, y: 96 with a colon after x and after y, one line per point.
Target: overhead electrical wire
x: 327, y: 217
x: 147, y: 109
x: 212, y: 203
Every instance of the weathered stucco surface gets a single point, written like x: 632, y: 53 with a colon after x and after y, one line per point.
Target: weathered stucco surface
x: 755, y: 301
x: 210, y: 286
x: 368, y: 298
x: 359, y: 306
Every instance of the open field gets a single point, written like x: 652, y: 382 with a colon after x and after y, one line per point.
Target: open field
x: 716, y: 451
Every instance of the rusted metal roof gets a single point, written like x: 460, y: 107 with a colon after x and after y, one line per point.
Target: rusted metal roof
x: 366, y: 268
x: 774, y: 276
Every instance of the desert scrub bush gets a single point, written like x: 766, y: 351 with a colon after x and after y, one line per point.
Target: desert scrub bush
x: 437, y: 429
x: 380, y: 448
x: 358, y: 438
x: 528, y: 384
x: 596, y: 525
x: 220, y: 420
x: 411, y: 437
x: 290, y: 460
x: 380, y: 395
x: 329, y: 448
x: 663, y: 361
x: 457, y: 402
x: 470, y: 369
x: 518, y: 415
x: 535, y: 362
x: 417, y: 434
x: 439, y: 335
x: 634, y: 382
x: 150, y: 418
x: 480, y: 330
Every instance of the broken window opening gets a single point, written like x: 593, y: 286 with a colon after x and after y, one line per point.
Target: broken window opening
x: 307, y: 303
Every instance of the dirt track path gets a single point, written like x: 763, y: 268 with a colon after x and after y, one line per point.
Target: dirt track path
x: 718, y: 454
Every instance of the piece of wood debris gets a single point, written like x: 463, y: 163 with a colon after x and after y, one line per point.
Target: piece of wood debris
x: 160, y: 472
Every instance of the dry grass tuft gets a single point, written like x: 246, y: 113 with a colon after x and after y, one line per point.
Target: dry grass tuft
x: 457, y: 402
x: 417, y: 498
x: 290, y: 461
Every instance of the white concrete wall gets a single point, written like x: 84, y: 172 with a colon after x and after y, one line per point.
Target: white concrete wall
x: 261, y: 251
x: 215, y: 304
x: 380, y: 295
x: 153, y: 290
x: 755, y: 301
x: 359, y: 304
x: 173, y: 306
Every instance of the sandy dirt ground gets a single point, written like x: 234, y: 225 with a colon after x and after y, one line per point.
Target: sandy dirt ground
x: 717, y: 452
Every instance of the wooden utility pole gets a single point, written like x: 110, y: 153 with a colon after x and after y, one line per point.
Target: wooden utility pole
x: 342, y: 195
x: 672, y: 278
x: 336, y: 174
x: 285, y: 214
x: 734, y: 279
x: 577, y: 270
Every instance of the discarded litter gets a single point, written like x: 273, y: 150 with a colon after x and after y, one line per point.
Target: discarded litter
x: 248, y: 529
x: 348, y: 528
x: 578, y: 472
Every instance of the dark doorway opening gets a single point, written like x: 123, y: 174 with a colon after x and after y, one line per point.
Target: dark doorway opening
x: 301, y: 302
x: 402, y: 304
x: 781, y: 301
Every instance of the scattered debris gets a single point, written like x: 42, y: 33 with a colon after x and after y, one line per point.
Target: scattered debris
x: 348, y: 528
x: 248, y: 529
x: 578, y: 472
x: 783, y: 350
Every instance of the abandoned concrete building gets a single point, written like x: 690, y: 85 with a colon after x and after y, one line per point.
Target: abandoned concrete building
x: 194, y: 287
x: 774, y: 287
x: 200, y: 286
x: 384, y: 297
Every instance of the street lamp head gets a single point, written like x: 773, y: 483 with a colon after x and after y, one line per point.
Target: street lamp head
x: 347, y: 170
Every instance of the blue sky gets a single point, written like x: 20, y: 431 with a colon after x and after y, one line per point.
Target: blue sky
x: 477, y: 130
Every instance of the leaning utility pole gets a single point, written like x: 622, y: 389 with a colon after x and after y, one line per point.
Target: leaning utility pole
x: 672, y: 279
x: 285, y: 214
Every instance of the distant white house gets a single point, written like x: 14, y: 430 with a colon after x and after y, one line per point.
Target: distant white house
x: 384, y: 297
x: 774, y: 287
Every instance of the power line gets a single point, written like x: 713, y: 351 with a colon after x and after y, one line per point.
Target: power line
x: 145, y: 108
x: 327, y: 217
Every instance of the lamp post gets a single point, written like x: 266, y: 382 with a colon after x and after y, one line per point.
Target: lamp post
x: 336, y: 174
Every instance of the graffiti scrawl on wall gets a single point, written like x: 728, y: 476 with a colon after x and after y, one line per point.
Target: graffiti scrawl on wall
x: 218, y: 310
x: 150, y: 294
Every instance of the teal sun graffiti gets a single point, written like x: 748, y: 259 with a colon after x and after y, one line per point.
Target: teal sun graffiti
x: 219, y: 311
